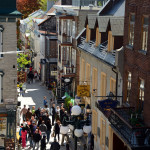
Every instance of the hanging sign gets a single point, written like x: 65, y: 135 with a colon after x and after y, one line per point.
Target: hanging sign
x: 83, y: 90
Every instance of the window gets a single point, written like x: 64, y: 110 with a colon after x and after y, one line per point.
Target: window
x: 73, y: 29
x: 103, y: 85
x: 113, y: 86
x: 1, y: 41
x: 88, y: 33
x: 102, y: 133
x: 98, y: 37
x: 94, y: 80
x: 131, y: 29
x: 1, y: 87
x: 82, y: 70
x: 59, y: 53
x: 94, y: 122
x: 145, y: 24
x: 128, y: 85
x: 88, y: 73
x: 141, y: 93
x: 110, y: 41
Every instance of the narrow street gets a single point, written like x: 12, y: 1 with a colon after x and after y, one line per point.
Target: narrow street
x: 34, y: 97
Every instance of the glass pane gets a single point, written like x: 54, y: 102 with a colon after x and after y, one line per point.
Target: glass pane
x: 145, y: 37
x: 131, y: 34
x: 146, y: 21
x: 132, y: 17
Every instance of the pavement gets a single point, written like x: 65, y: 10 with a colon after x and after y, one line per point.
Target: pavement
x: 34, y: 97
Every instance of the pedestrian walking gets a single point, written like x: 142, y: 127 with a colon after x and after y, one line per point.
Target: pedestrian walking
x: 20, y: 138
x: 23, y: 136
x: 44, y: 101
x: 53, y: 112
x: 57, y: 113
x: 24, y: 111
x: 57, y: 129
x: 36, y: 139
x: 49, y: 126
x: 63, y: 137
x: 33, y: 110
x: 62, y: 111
x: 55, y: 145
x: 28, y: 114
x: 67, y: 146
x: 43, y: 128
x: 21, y: 90
x: 43, y: 143
x: 37, y: 113
x: 30, y: 137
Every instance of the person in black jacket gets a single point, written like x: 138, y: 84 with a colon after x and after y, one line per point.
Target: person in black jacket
x: 49, y: 126
x: 57, y: 129
x: 43, y: 143
x: 55, y: 145
x: 53, y: 112
x: 36, y: 139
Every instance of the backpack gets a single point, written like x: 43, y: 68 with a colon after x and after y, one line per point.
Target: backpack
x: 20, y: 131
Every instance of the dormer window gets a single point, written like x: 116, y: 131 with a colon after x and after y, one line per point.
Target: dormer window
x: 110, y: 41
x: 98, y: 37
x: 88, y: 33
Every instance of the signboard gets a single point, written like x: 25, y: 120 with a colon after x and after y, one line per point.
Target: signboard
x: 83, y: 90
x: 3, y: 125
x: 107, y: 104
x: 53, y: 73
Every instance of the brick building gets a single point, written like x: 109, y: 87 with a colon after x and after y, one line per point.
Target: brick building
x: 130, y: 123
x: 8, y: 71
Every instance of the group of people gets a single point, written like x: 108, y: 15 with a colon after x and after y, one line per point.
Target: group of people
x: 37, y: 128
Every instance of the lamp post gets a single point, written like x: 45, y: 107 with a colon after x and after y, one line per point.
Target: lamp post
x: 76, y: 124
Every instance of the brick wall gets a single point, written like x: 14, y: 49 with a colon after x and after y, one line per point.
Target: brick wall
x: 134, y: 61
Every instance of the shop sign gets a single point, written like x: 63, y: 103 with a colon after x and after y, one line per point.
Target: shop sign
x: 107, y: 104
x: 3, y: 124
x: 53, y: 73
x: 83, y: 90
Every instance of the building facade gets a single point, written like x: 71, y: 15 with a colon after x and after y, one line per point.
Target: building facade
x: 8, y: 72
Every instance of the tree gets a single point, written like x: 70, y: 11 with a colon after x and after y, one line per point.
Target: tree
x: 23, y: 60
x: 27, y: 7
x: 43, y: 4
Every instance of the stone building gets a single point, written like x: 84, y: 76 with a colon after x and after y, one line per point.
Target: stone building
x: 8, y: 71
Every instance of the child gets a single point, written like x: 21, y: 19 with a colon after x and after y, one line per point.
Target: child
x: 43, y: 143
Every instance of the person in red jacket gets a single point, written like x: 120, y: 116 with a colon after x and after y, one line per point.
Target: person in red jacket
x: 23, y: 136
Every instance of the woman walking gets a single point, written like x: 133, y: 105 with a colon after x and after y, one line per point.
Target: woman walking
x: 49, y: 126
x: 23, y: 135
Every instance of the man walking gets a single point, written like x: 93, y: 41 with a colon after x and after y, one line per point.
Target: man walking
x: 55, y: 145
x: 24, y: 111
x: 43, y: 128
x: 44, y: 101
x: 53, y: 112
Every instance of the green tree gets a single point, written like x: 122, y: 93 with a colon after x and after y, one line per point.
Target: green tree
x: 23, y: 60
x: 43, y: 4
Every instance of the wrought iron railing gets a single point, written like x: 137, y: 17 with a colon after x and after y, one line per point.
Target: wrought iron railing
x: 135, y: 136
x: 69, y: 70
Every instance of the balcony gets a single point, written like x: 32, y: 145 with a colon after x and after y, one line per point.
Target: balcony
x: 130, y: 126
x: 65, y: 39
x: 69, y: 71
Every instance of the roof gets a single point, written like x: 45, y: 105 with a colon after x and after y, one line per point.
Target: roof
x: 91, y: 20
x: 38, y: 20
x: 103, y: 23
x: 52, y: 10
x: 117, y: 26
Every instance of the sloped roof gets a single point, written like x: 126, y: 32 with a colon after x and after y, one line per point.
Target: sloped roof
x: 117, y: 26
x: 102, y: 23
x: 91, y: 20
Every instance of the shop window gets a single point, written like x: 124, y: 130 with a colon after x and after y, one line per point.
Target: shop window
x: 94, y: 80
x: 110, y: 41
x: 128, y: 86
x: 145, y: 23
x: 131, y: 29
x: 113, y: 85
x: 88, y: 33
x: 88, y: 73
x: 98, y: 37
x: 141, y: 93
x: 102, y: 133
x: 103, y: 85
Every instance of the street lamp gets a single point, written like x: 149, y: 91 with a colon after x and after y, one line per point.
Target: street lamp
x: 76, y: 124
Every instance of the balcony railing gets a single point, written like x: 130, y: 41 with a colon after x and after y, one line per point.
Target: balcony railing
x: 136, y: 136
x: 69, y: 70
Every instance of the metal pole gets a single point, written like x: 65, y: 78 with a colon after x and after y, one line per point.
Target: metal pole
x: 75, y: 140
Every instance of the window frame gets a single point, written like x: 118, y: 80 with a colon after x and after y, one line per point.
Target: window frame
x: 143, y: 28
x: 141, y: 90
x: 131, y: 23
x: 129, y: 83
x: 103, y: 83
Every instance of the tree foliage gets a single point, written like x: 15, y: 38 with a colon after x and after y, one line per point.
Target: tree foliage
x: 26, y: 7
x: 23, y: 60
x: 43, y: 4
